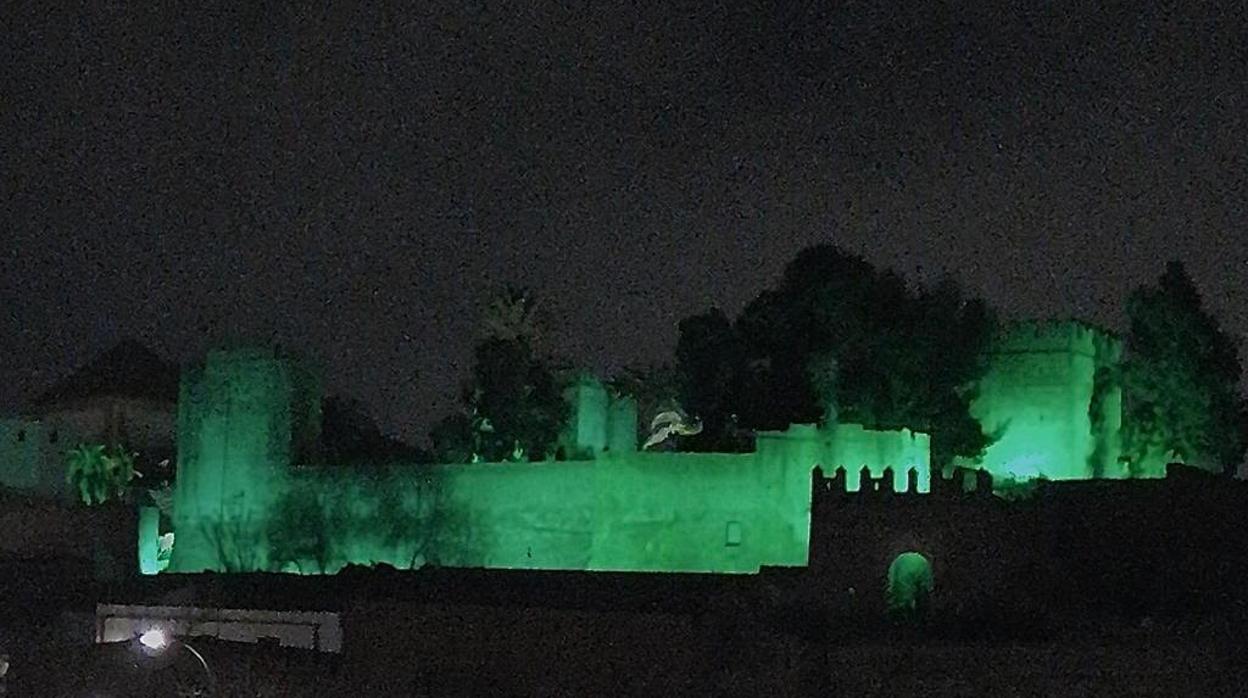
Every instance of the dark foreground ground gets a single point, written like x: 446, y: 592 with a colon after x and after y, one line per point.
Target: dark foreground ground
x: 459, y: 633
x: 433, y: 650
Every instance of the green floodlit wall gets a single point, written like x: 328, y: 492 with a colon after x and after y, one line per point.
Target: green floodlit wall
x: 640, y: 512
x: 644, y: 512
x: 240, y: 506
x: 1042, y: 399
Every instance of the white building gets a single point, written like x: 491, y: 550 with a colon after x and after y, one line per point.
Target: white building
x: 319, y: 630
x: 127, y: 396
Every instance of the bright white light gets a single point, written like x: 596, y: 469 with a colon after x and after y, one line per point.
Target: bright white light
x: 154, y: 639
x: 666, y: 424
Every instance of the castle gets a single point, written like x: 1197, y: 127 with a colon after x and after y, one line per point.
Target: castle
x: 245, y: 500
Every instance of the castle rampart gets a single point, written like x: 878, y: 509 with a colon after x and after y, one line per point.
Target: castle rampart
x: 245, y: 503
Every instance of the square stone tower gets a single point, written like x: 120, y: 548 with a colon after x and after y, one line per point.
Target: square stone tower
x: 600, y: 423
x: 1047, y: 399
x: 244, y: 417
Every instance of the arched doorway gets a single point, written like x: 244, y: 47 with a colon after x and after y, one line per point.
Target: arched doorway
x: 910, y: 584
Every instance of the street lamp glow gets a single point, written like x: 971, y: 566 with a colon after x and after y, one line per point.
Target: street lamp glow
x: 154, y: 639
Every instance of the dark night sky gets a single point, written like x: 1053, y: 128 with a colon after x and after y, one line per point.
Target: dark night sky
x: 353, y: 183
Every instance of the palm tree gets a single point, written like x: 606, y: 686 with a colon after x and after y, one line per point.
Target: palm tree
x: 512, y: 316
x: 99, y: 474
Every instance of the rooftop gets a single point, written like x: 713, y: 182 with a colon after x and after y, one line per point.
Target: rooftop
x: 128, y: 370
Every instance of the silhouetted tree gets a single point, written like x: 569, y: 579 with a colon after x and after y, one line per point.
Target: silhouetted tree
x: 520, y: 404
x: 828, y: 306
x: 1180, y: 380
x: 350, y: 436
x: 951, y: 334
x: 346, y: 425
x: 455, y: 438
x: 233, y: 535
x: 514, y: 407
x: 301, y: 531
x: 710, y: 364
x: 513, y: 315
x: 838, y: 339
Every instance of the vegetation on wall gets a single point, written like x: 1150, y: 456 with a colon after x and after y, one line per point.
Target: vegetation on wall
x: 1181, y: 379
x: 301, y: 531
x: 325, y: 520
x: 233, y: 536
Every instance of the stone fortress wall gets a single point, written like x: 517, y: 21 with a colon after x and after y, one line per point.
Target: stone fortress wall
x: 246, y: 502
x: 243, y: 502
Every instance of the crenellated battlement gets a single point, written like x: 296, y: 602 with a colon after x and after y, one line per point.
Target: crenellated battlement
x: 837, y: 482
x: 869, y: 484
x: 866, y: 455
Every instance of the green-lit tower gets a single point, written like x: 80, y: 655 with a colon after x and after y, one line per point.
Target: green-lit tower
x: 243, y: 417
x: 1048, y: 400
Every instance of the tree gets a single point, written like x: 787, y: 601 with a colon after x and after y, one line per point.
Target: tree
x: 952, y: 334
x: 520, y: 407
x: 514, y: 407
x: 456, y: 438
x: 710, y: 366
x: 1180, y: 380
x: 350, y: 436
x: 301, y: 531
x: 513, y: 315
x: 98, y: 473
x: 839, y: 340
x: 233, y: 535
x: 346, y: 427
x: 828, y: 305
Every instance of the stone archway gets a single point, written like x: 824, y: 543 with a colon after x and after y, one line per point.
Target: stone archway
x: 910, y: 584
